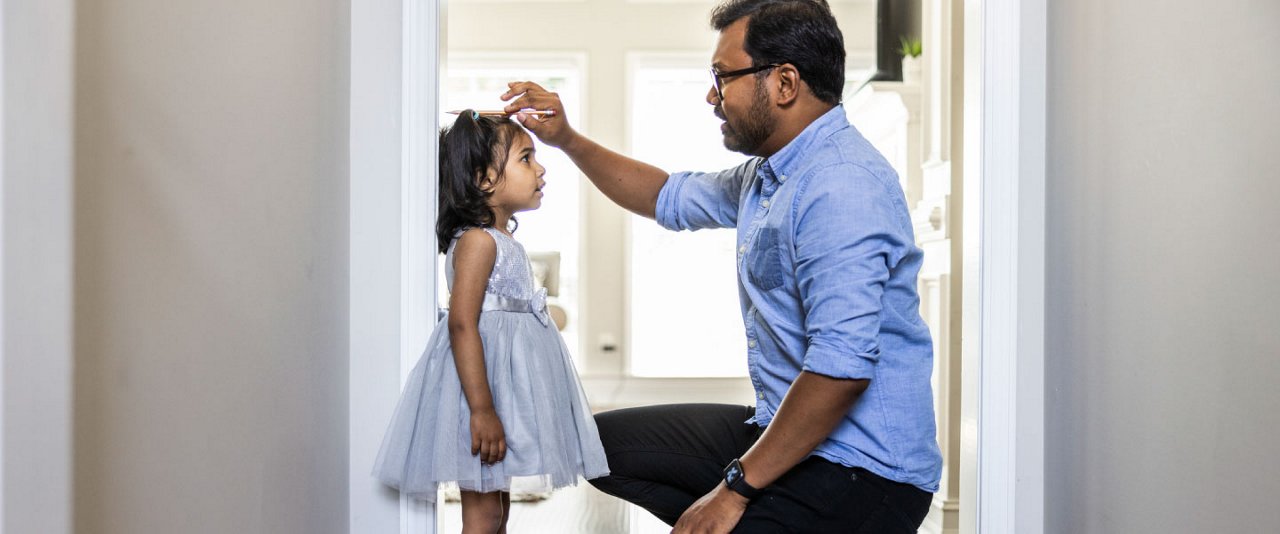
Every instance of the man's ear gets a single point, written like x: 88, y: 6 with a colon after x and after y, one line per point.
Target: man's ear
x: 788, y: 84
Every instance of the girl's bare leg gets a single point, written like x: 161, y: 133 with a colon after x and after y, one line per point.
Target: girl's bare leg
x: 506, y: 511
x: 483, y: 513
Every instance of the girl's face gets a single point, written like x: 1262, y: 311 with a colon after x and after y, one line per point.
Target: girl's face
x: 520, y: 188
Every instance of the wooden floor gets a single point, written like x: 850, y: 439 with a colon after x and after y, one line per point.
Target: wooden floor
x: 576, y: 510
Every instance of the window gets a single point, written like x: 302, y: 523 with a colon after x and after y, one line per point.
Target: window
x: 476, y: 81
x: 684, y: 318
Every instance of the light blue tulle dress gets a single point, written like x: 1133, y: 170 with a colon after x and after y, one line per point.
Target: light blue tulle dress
x: 550, y: 433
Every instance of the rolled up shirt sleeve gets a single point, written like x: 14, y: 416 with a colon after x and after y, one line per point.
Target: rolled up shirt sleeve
x: 847, y: 240
x: 698, y: 200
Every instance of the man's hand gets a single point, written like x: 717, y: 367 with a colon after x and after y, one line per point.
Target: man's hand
x: 715, y: 513
x: 554, y: 130
x: 487, y: 437
x: 632, y: 184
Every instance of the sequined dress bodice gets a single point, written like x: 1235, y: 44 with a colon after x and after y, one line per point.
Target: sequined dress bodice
x: 512, y: 277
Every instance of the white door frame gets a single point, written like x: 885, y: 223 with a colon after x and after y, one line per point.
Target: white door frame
x: 395, y: 51
x: 1003, y: 413
x: 1002, y: 442
x: 36, y: 175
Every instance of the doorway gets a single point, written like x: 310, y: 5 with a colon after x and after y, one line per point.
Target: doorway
x: 653, y: 56
x: 920, y: 127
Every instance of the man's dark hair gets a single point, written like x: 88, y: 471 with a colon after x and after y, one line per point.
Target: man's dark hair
x: 800, y: 32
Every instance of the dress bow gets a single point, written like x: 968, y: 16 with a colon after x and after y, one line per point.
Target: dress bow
x: 539, y: 306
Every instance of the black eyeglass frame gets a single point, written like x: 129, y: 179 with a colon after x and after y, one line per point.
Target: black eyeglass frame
x: 717, y: 78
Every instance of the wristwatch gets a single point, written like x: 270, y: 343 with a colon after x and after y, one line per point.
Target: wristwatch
x: 737, y: 480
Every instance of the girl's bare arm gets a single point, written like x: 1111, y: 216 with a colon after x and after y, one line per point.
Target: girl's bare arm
x: 473, y: 260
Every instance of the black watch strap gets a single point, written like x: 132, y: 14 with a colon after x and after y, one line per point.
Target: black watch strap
x: 736, y: 479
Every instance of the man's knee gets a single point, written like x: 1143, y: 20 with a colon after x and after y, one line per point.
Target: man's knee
x: 615, y: 427
x: 607, y: 484
x: 613, y: 421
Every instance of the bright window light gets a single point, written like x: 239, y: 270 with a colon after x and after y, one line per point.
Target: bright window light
x: 684, y: 315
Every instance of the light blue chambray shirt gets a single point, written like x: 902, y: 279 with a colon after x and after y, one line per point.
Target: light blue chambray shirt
x: 827, y: 267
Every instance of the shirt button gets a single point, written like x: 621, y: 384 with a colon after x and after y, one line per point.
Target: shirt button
x: 751, y: 343
x: 764, y: 203
x: 741, y: 250
x: 782, y: 178
x: 760, y: 395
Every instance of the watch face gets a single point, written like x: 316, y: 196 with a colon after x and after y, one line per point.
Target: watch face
x: 733, y: 472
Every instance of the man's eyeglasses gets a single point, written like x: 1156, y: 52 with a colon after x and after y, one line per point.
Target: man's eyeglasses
x: 719, y: 77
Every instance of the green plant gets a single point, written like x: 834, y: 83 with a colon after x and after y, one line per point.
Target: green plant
x: 910, y: 46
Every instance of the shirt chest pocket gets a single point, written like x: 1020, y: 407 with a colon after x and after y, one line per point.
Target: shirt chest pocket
x: 764, y: 264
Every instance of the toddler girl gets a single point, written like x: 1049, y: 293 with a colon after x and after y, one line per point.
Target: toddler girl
x: 495, y: 395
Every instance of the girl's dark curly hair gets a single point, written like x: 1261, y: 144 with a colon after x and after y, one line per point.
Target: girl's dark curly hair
x: 468, y: 149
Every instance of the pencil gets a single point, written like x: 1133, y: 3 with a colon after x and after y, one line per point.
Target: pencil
x: 500, y: 113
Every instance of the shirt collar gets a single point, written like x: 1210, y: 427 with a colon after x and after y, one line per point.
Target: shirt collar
x: 786, y: 160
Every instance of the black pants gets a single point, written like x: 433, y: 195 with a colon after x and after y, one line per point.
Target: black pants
x: 663, y: 458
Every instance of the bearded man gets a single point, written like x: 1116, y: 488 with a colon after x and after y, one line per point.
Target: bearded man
x: 841, y: 436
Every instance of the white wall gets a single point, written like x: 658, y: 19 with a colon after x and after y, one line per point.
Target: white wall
x: 211, y: 266
x: 1163, y: 284
x: 35, y: 270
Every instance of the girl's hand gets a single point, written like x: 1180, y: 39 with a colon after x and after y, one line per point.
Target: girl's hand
x: 487, y: 437
x: 553, y: 130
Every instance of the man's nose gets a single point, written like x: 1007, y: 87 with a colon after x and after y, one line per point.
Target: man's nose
x: 712, y: 97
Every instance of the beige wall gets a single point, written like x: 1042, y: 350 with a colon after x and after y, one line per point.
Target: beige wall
x: 211, y: 266
x: 1163, y: 288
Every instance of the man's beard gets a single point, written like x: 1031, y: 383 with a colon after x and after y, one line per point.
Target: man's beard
x: 753, y: 129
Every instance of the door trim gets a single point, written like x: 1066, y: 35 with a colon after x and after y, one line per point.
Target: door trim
x: 396, y: 48
x: 37, y: 176
x: 1002, y: 419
